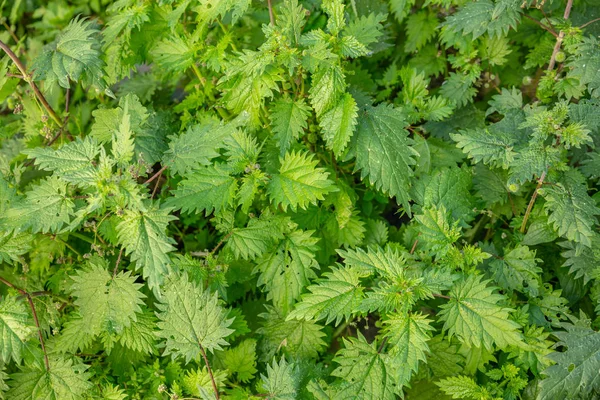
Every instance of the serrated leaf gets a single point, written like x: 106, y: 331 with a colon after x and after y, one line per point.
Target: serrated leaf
x: 383, y: 151
x: 286, y: 271
x: 365, y: 372
x: 299, y: 182
x: 338, y: 124
x: 63, y: 380
x: 241, y: 360
x: 16, y: 328
x: 408, y: 335
x: 336, y: 297
x: 517, y: 270
x: 208, y: 189
x: 289, y: 120
x: 280, y: 383
x: 190, y: 318
x: 575, y: 374
x: 476, y: 316
x: 482, y: 146
x: 257, y: 238
x: 74, y: 55
x: 108, y: 302
x: 72, y: 162
x: 296, y: 338
x: 142, y: 233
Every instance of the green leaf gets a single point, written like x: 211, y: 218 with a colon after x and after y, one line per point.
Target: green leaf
x: 142, y: 233
x: 208, y: 189
x: 64, y: 379
x: 328, y: 84
x: 72, y: 162
x: 257, y: 238
x: 482, y: 146
x: 280, y: 383
x: 571, y: 210
x: 286, y: 271
x: 575, y: 374
x: 365, y: 372
x: 437, y: 230
x: 584, y: 262
x: 198, y: 145
x: 295, y: 338
x: 14, y: 244
x: 46, y: 207
x: 74, y: 55
x: 408, y: 335
x: 338, y: 124
x: 585, y: 65
x: 383, y: 151
x: 173, y: 54
x: 110, y: 303
x: 334, y: 298
x: 299, y: 182
x: 517, y: 270
x: 463, y: 387
x: 289, y: 120
x: 241, y: 360
x: 191, y: 318
x: 367, y: 30
x: 420, y: 28
x: 479, y: 17
x: 387, y: 262
x: 16, y: 328
x: 476, y: 316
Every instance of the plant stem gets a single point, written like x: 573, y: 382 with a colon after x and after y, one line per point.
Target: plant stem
x: 560, y: 37
x: 212, y: 378
x: 117, y: 263
x: 532, y: 201
x: 441, y: 296
x: 221, y: 242
x: 26, y: 76
x: 548, y: 28
x: 35, y: 318
x: 271, y: 17
x: 12, y: 34
x: 156, y: 175
x: 589, y: 23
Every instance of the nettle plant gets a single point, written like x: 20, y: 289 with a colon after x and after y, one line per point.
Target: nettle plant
x: 240, y: 199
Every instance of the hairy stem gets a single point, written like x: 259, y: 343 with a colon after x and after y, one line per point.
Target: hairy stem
x: 532, y: 201
x: 118, y: 262
x: 212, y: 378
x: 547, y: 28
x: 560, y: 37
x: 156, y: 175
x: 26, y: 76
x: 25, y: 293
x: 271, y: 17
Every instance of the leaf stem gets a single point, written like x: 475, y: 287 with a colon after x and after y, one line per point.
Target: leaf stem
x: 532, y: 201
x: 212, y: 378
x: 35, y: 318
x: 12, y: 34
x: 117, y: 263
x: 26, y: 76
x: 221, y: 242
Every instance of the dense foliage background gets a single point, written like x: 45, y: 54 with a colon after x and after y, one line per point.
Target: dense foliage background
x: 299, y: 199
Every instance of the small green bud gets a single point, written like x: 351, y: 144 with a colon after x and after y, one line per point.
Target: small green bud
x: 527, y: 80
x: 513, y: 187
x: 560, y: 56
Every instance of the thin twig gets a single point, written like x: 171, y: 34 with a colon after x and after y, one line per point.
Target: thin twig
x: 12, y: 34
x: 532, y: 201
x: 64, y: 124
x: 441, y: 296
x: 26, y: 76
x: 15, y: 76
x: 35, y: 318
x: 156, y: 175
x: 589, y: 23
x: 560, y: 37
x: 221, y: 242
x: 156, y: 186
x: 271, y: 17
x: 548, y: 28
x: 118, y: 262
x: 383, y: 342
x: 212, y: 378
